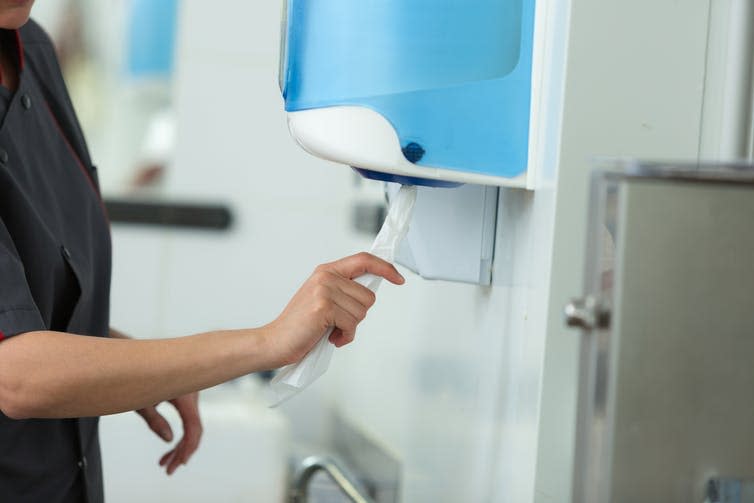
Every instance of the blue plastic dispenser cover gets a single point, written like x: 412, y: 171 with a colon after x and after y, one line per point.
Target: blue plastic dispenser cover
x: 453, y: 77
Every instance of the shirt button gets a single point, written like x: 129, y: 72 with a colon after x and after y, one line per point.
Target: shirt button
x: 65, y: 253
x: 3, y: 156
x: 26, y: 101
x: 82, y: 463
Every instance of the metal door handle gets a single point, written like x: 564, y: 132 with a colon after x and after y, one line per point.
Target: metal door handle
x: 587, y: 313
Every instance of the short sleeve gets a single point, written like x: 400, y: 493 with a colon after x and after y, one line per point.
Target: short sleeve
x: 18, y: 311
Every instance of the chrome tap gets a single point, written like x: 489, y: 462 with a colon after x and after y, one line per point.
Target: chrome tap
x: 313, y: 464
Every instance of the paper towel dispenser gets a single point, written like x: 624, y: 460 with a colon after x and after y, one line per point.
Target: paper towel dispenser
x: 452, y: 233
x: 429, y: 92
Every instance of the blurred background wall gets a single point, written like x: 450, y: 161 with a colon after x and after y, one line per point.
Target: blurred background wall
x: 461, y: 392
x: 444, y: 377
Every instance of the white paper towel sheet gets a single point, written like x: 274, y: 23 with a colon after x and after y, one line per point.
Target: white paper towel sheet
x: 294, y: 378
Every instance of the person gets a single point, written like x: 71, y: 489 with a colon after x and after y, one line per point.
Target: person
x: 61, y: 366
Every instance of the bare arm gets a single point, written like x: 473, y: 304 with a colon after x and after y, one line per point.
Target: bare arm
x: 54, y: 375
x: 188, y: 409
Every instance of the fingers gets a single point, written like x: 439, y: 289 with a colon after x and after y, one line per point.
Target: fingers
x: 180, y: 455
x: 339, y: 339
x: 192, y: 433
x: 345, y: 303
x: 328, y: 299
x: 173, y: 462
x: 167, y: 458
x: 187, y: 407
x: 157, y: 423
x: 345, y: 327
x: 360, y: 293
x: 338, y: 310
x: 362, y: 263
x: 349, y: 296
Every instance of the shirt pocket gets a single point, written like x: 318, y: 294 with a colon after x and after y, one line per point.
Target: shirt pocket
x: 70, y: 300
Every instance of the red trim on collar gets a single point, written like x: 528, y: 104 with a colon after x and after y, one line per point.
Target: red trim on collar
x: 2, y: 335
x: 78, y: 160
x: 19, y: 50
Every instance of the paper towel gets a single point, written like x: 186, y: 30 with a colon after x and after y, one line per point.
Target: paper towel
x: 294, y: 378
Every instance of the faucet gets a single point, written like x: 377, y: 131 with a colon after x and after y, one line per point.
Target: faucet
x: 313, y: 464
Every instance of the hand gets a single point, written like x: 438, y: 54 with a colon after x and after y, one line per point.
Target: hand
x: 188, y: 408
x: 329, y: 298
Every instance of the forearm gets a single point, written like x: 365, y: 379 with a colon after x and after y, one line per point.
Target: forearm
x: 52, y: 374
x: 55, y: 375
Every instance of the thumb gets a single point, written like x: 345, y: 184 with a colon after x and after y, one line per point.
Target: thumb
x: 157, y: 423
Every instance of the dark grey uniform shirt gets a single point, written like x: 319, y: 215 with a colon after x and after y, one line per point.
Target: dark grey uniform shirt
x: 54, y: 265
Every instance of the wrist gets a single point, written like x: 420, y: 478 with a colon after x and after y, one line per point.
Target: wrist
x: 264, y: 348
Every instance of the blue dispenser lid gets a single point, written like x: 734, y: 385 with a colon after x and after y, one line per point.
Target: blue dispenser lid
x: 453, y: 76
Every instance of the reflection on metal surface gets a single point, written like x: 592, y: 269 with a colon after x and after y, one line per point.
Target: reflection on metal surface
x: 376, y: 467
x: 314, y: 464
x: 724, y: 490
x: 739, y: 173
